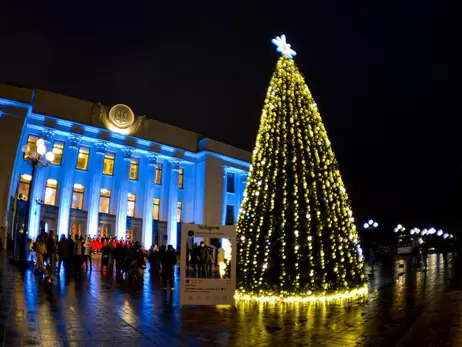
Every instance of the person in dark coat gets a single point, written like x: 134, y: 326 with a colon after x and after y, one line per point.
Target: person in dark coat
x: 424, y: 250
x: 195, y: 259
x: 168, y: 265
x: 203, y: 255
x: 62, y: 252
x: 154, y: 260
x: 69, y: 260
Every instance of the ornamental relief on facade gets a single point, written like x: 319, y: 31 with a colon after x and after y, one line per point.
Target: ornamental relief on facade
x: 121, y: 119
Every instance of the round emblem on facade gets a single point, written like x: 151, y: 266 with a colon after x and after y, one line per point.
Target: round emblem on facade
x: 121, y: 116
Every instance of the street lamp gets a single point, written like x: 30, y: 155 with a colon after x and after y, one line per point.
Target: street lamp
x: 399, y: 228
x: 370, y: 224
x: 36, y: 159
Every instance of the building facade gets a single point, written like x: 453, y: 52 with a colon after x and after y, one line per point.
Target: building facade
x: 113, y: 173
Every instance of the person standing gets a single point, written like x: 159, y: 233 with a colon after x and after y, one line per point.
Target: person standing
x: 62, y: 252
x: 168, y: 265
x: 371, y: 259
x: 78, y: 252
x: 424, y: 250
x: 415, y: 254
x: 40, y: 251
x: 203, y: 260
x: 88, y: 249
x: 51, y: 251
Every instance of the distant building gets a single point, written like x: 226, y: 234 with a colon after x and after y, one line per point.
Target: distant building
x: 113, y: 173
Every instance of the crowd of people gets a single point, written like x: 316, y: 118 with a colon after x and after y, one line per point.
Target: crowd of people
x: 205, y: 262
x: 75, y: 254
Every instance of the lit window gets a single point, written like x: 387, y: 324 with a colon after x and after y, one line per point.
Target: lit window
x: 104, y: 200
x: 131, y: 205
x: 134, y: 169
x: 50, y: 192
x: 179, y: 211
x: 24, y: 187
x: 82, y: 160
x: 180, y: 178
x: 155, y: 214
x: 158, y: 179
x: 108, y: 168
x: 77, y: 196
x: 58, y: 148
x: 32, y: 143
x: 230, y: 182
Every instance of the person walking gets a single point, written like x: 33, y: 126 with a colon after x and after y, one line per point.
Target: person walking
x: 168, y: 264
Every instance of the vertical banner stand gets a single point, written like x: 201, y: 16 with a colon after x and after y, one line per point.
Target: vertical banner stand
x: 197, y: 289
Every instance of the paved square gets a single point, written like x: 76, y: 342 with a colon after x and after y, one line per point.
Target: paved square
x: 405, y: 306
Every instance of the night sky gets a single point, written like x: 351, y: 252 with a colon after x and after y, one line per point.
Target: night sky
x: 384, y: 77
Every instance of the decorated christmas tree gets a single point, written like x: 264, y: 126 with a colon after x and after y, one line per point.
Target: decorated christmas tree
x: 296, y: 234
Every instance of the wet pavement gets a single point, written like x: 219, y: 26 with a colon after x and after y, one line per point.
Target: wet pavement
x: 405, y: 307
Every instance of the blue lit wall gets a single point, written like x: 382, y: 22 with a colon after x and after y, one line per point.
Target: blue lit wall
x: 202, y: 196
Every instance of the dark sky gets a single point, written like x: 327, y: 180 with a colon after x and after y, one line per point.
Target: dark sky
x: 385, y: 76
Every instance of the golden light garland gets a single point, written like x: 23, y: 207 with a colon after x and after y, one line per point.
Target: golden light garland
x: 357, y: 293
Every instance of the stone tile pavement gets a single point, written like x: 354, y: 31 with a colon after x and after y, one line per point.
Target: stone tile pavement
x: 101, y: 309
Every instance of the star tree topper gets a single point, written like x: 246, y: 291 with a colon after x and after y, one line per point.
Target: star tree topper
x: 283, y: 47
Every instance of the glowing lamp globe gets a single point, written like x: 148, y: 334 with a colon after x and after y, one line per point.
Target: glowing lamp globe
x: 41, y: 150
x: 40, y: 143
x: 376, y: 224
x: 50, y: 156
x: 365, y: 225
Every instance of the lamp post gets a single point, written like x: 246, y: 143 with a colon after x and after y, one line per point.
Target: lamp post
x: 370, y: 225
x: 36, y: 159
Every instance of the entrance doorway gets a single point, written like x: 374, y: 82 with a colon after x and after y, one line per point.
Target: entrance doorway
x: 130, y: 234
x: 103, y: 230
x: 76, y: 229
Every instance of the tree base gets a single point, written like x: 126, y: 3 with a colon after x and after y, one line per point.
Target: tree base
x: 352, y: 294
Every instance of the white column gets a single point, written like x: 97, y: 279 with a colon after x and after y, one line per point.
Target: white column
x: 96, y: 167
x: 66, y: 183
x: 123, y: 173
x: 38, y: 187
x: 225, y: 191
x: 172, y: 224
x: 148, y: 203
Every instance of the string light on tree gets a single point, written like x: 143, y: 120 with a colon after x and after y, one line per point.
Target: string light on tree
x: 297, y: 239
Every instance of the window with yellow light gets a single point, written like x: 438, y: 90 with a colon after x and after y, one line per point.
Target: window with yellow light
x: 50, y: 192
x: 77, y: 196
x: 108, y: 167
x: 104, y: 200
x: 58, y: 149
x: 24, y: 186
x: 82, y: 159
x: 155, y: 214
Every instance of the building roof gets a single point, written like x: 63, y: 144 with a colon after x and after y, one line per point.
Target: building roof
x: 88, y: 113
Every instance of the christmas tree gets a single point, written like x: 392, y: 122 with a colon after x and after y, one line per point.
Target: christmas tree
x: 297, y: 240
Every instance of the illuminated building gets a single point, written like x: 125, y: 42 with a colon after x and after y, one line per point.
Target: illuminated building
x: 113, y: 173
